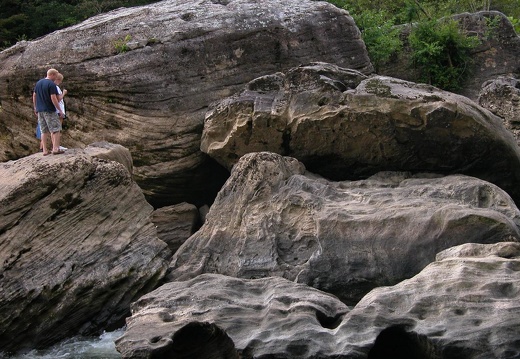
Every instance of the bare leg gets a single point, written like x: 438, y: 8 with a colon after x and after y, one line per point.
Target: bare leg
x: 45, y: 135
x: 56, y: 138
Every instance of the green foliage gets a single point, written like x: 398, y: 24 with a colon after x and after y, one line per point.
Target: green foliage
x: 121, y: 45
x: 515, y: 22
x: 29, y: 19
x: 492, y: 24
x: 441, y: 52
x: 406, y: 11
x: 439, y: 49
x: 380, y: 35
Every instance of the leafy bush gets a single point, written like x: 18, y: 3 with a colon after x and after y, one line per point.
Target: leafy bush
x: 516, y: 23
x: 380, y: 35
x: 441, y: 52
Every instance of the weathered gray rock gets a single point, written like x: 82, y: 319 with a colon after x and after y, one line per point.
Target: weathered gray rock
x: 176, y: 223
x: 464, y: 305
x: 497, y: 55
x: 143, y: 77
x: 344, y: 126
x: 346, y: 238
x: 111, y: 152
x: 502, y: 97
x: 261, y: 316
x: 76, y: 247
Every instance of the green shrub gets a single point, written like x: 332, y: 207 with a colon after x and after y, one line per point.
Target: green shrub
x: 380, y: 35
x: 516, y: 23
x: 441, y: 51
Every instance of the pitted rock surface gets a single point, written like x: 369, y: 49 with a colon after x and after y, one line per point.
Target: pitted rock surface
x: 342, y: 125
x: 466, y: 304
x: 261, y: 316
x: 463, y: 305
x: 143, y: 78
x: 502, y: 97
x: 274, y: 219
x: 76, y: 247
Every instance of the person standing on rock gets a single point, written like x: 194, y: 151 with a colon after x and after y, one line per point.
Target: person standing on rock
x: 61, y: 95
x: 47, y: 107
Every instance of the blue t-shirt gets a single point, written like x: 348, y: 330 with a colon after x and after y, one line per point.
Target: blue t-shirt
x: 44, y: 89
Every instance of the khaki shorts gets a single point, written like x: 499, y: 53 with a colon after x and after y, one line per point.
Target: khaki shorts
x: 49, y: 122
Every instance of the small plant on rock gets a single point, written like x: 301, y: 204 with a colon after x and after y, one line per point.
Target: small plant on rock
x: 121, y: 45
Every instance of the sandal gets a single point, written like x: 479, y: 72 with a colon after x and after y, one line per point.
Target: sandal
x: 46, y: 153
x: 59, y: 152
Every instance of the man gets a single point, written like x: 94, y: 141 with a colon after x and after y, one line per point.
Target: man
x: 46, y: 106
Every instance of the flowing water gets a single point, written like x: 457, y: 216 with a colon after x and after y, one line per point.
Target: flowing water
x: 102, y: 347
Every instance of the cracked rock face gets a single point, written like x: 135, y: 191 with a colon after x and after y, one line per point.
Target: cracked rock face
x: 76, y: 246
x: 463, y: 305
x: 143, y: 78
x: 274, y: 219
x: 342, y: 125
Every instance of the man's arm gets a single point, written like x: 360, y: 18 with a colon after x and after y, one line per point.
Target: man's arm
x: 34, y: 102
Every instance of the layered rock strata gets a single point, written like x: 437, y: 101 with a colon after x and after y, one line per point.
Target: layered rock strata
x: 143, y: 77
x: 76, y: 246
x: 176, y: 223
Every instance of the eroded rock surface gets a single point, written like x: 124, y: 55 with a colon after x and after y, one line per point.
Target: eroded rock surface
x: 502, y: 97
x: 463, y: 305
x: 346, y: 238
x: 143, y: 78
x: 466, y: 303
x: 76, y: 246
x: 343, y: 125
x: 261, y: 316
x: 112, y: 152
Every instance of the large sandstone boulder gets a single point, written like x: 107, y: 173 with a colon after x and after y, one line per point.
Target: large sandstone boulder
x: 343, y: 125
x: 76, y: 246
x: 497, y: 55
x: 502, y: 97
x: 346, y: 238
x: 464, y: 305
x: 261, y: 316
x: 143, y: 77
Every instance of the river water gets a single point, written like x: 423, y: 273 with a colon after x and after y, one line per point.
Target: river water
x: 102, y: 347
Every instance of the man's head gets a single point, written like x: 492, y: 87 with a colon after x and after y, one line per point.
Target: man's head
x: 52, y: 73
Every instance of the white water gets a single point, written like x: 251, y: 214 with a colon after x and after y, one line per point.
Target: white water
x: 102, y: 347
